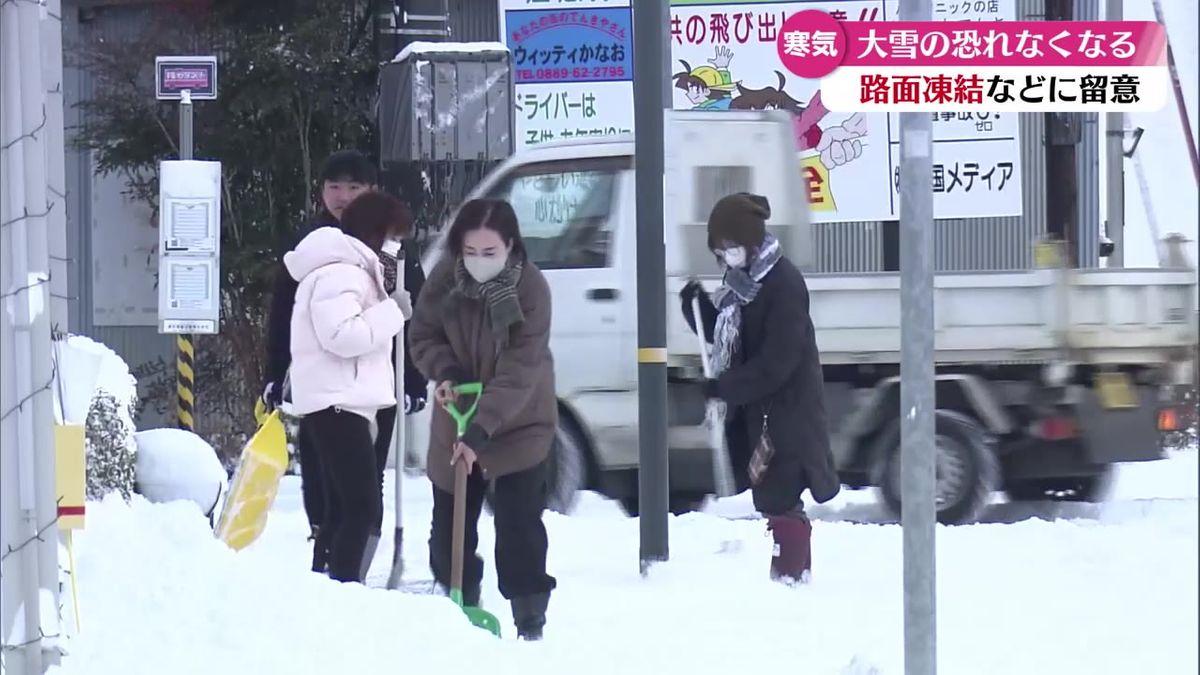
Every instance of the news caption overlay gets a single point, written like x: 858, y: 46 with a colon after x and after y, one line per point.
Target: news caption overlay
x: 1010, y: 66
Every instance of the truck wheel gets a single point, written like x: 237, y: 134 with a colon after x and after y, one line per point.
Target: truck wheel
x: 967, y: 471
x: 566, y: 470
x: 1092, y: 489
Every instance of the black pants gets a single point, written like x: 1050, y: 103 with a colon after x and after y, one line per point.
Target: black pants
x: 353, y: 501
x: 518, y: 502
x: 311, y: 488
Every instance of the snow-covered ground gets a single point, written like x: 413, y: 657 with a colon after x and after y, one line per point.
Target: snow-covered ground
x: 1092, y: 589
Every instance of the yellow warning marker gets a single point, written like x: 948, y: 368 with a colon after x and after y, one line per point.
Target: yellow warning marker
x: 70, y: 478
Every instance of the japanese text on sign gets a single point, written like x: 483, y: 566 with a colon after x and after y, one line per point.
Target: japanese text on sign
x: 747, y: 26
x: 991, y: 43
x: 592, y: 45
x: 973, y: 89
x: 965, y: 177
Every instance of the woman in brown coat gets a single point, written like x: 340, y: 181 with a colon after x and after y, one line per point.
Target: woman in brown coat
x: 484, y: 316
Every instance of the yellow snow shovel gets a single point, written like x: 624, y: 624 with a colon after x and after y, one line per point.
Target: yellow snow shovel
x: 477, y: 615
x: 255, y: 484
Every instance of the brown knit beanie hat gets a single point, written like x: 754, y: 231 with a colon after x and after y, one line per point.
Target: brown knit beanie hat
x: 739, y: 218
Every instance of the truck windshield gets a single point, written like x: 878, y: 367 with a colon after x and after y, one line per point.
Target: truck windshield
x: 565, y: 211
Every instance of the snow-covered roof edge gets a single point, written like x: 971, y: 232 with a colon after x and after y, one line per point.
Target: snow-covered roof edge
x: 449, y: 48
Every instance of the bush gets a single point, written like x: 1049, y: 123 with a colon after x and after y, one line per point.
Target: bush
x: 110, y: 446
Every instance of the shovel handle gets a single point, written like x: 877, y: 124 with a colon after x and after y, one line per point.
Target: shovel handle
x: 459, y: 533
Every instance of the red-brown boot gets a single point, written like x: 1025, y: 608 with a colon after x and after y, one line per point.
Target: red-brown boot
x: 792, y: 560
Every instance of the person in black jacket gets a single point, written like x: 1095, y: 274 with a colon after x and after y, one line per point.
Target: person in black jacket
x: 345, y: 175
x: 767, y: 377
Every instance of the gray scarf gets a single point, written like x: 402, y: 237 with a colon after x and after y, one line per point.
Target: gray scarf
x: 738, y: 289
x: 499, y: 297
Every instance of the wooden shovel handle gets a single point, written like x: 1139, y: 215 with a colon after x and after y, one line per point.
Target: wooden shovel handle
x: 460, y: 526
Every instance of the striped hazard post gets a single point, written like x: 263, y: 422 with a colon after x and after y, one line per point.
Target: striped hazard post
x: 185, y: 381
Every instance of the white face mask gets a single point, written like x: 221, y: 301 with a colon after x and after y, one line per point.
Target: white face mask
x: 392, y: 247
x: 734, y: 257
x: 484, y: 269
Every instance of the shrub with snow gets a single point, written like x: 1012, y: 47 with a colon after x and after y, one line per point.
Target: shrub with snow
x: 91, y: 377
x: 111, y: 448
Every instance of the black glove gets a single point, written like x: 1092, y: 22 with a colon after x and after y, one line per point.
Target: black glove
x: 272, y: 395
x: 689, y: 292
x: 710, y: 390
x: 413, y: 404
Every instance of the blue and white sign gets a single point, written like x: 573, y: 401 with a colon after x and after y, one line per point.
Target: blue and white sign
x: 572, y: 67
x: 577, y: 45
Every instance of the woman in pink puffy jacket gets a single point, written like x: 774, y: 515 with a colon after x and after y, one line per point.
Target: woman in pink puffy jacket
x: 343, y: 324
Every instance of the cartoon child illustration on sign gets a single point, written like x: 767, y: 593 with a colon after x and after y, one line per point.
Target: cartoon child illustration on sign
x: 832, y: 146
x: 708, y: 87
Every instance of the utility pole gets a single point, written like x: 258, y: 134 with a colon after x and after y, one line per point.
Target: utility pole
x: 1062, y: 185
x: 1115, y: 160
x: 918, y: 480
x: 651, y: 19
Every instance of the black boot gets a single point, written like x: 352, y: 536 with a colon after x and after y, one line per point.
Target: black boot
x: 368, y: 557
x: 320, y: 558
x: 529, y: 614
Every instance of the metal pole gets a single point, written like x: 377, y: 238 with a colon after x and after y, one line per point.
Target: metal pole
x: 399, y: 442
x: 918, y: 507
x: 651, y: 19
x: 185, y: 358
x: 1115, y: 159
x: 1188, y: 135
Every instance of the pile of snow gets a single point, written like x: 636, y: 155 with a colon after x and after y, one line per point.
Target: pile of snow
x: 84, y: 369
x: 1108, y: 589
x: 93, y: 386
x: 178, y: 465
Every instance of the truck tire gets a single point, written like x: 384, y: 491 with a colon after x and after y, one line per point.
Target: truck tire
x: 1094, y: 489
x: 566, y: 470
x: 967, y: 470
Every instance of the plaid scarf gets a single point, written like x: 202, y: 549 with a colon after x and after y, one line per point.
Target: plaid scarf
x: 738, y: 289
x: 499, y: 297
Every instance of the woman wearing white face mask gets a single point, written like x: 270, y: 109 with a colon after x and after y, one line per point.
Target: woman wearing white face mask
x: 484, y: 316
x: 342, y: 328
x: 767, y: 377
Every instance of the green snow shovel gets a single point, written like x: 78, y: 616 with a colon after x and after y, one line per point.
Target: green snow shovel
x: 478, y: 616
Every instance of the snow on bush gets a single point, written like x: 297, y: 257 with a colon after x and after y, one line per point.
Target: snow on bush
x: 92, y: 378
x: 178, y: 465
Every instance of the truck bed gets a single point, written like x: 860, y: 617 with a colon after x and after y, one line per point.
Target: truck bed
x: 1100, y: 316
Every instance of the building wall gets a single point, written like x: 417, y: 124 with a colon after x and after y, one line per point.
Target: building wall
x: 111, y: 240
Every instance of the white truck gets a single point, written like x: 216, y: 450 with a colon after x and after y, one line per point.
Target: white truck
x: 1045, y: 377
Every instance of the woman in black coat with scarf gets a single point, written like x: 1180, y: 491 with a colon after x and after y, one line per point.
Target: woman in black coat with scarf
x: 767, y: 377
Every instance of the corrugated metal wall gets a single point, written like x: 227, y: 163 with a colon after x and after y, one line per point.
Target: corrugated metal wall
x: 474, y: 20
